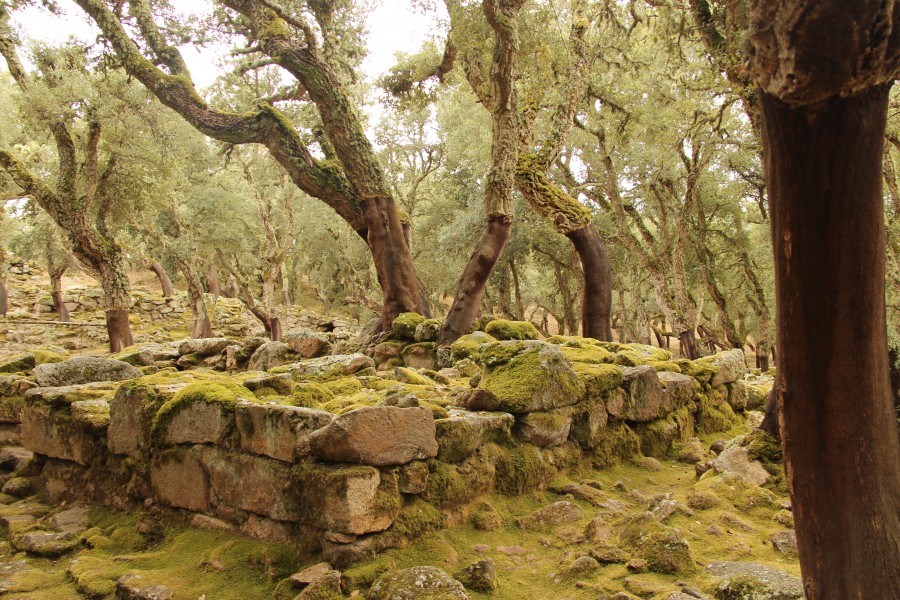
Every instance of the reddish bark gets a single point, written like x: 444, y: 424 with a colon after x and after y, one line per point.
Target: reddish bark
x: 56, y: 293
x: 119, y: 329
x: 842, y: 453
x: 164, y: 282
x: 4, y: 299
x: 597, y: 306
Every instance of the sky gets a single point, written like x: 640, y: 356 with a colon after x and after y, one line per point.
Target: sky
x: 393, y: 27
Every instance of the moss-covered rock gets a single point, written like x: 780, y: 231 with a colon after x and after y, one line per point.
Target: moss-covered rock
x: 598, y: 379
x: 421, y: 583
x: 310, y: 394
x: 594, y: 355
x: 469, y: 346
x: 18, y: 364
x: 344, y: 386
x: 416, y: 518
x: 538, y: 379
x: 404, y: 325
x: 522, y: 468
x: 503, y: 329
x: 207, y: 422
x: 616, y: 443
x: 428, y: 330
x: 664, y: 548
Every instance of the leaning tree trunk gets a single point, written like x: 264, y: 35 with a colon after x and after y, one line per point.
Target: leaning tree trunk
x: 164, y: 282
x: 202, y: 322
x: 56, y: 293
x: 117, y: 301
x: 842, y: 453
x: 597, y: 306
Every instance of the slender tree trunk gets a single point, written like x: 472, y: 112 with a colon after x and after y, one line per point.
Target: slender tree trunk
x: 688, y: 342
x: 56, y: 293
x: 842, y: 452
x: 517, y: 291
x: 762, y: 356
x: 4, y: 298
x: 233, y: 288
x: 164, y: 282
x: 212, y: 280
x: 470, y: 289
x: 275, y: 329
x: 597, y: 306
x: 503, y: 295
x: 202, y: 324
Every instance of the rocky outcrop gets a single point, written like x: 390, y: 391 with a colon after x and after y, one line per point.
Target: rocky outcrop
x: 83, y: 370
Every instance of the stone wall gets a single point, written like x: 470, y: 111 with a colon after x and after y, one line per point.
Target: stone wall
x: 334, y: 453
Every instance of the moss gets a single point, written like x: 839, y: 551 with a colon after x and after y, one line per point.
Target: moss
x: 701, y: 369
x: 501, y: 353
x: 665, y: 365
x: 657, y: 437
x: 416, y: 518
x: 512, y: 330
x: 763, y: 447
x: 617, y: 442
x: 345, y: 386
x: 469, y: 346
x: 18, y: 364
x: 404, y: 325
x: 598, y: 379
x: 407, y: 375
x: 446, y: 487
x: 711, y: 419
x: 522, y: 469
x: 42, y: 357
x: 310, y: 395
x: 343, y: 405
x: 664, y: 549
x: 362, y: 576
x: 591, y: 355
x: 223, y: 393
x: 95, y: 577
x: 418, y: 350
x: 745, y: 496
x: 537, y: 379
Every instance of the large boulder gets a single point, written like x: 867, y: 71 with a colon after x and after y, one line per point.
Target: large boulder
x: 378, y: 436
x: 203, y: 347
x: 269, y: 356
x: 751, y: 581
x: 545, y: 429
x: 276, y: 430
x: 537, y: 378
x: 645, y: 399
x: 308, y: 344
x: 179, y: 479
x: 463, y: 432
x: 417, y: 583
x: 736, y: 459
x: 84, y: 369
x: 329, y: 367
x: 728, y: 366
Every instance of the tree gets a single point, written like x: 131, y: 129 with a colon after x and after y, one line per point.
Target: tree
x: 348, y: 178
x: 825, y: 71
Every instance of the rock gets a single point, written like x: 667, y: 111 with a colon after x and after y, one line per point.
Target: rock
x: 405, y: 324
x: 326, y: 587
x: 786, y: 543
x: 589, y: 422
x: 329, y: 367
x: 378, y: 436
x: 132, y: 586
x: 637, y: 565
x: 550, y: 516
x: 310, y: 574
x: 413, y: 477
x: 644, y: 396
x: 664, y: 548
x: 742, y: 581
x: 83, y: 370
x: 308, y: 344
x: 73, y: 520
x: 199, y: 419
x: 739, y: 394
x: 178, y: 479
x: 608, y: 555
x: 680, y: 596
x: 417, y: 583
x: 729, y: 366
x: 502, y: 329
x: 486, y: 518
x: 276, y: 430
x: 347, y: 499
x: 422, y: 355
x: 67, y: 395
x: 11, y: 525
x: 480, y: 576
x: 469, y: 346
x: 280, y: 383
x: 253, y: 483
x: 545, y: 429
x: 270, y: 355
x: 583, y: 565
x: 428, y: 330
x: 203, y: 347
x: 18, y: 487
x: 210, y: 523
x: 536, y: 379
x: 679, y: 389
x: 692, y: 452
x: 45, y: 432
x: 663, y: 506
x: 700, y: 500
x: 13, y: 457
x: 46, y: 543
x: 736, y: 459
x: 597, y: 530
x: 262, y: 528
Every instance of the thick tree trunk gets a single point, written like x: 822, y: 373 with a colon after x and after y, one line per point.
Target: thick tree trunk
x: 164, y: 282
x: 393, y: 260
x: 116, y: 299
x: 4, y: 299
x: 842, y: 453
x: 202, y: 326
x: 688, y: 343
x: 56, y: 293
x: 762, y: 356
x: 470, y: 289
x: 119, y: 329
x: 597, y: 306
x: 212, y: 280
x: 275, y: 329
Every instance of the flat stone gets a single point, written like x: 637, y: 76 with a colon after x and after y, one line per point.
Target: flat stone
x: 73, y: 520
x: 588, y: 423
x: 550, y: 516
x: 281, y: 383
x: 480, y: 576
x: 679, y: 389
x: 13, y: 524
x: 253, y: 483
x: 199, y: 423
x: 463, y: 432
x: 336, y: 365
x: 178, y: 479
x: 413, y: 477
x: 270, y: 355
x: 132, y: 586
x: 731, y: 364
x: 328, y: 585
x: 45, y: 543
x: 545, y: 429
x: 308, y: 344
x: 310, y: 574
x: 67, y: 394
x: 276, y: 430
x: 47, y: 433
x: 210, y: 523
x: 736, y: 459
x: 739, y: 580
x: 18, y: 487
x: 130, y: 421
x: 786, y: 543
x: 351, y: 500
x: 377, y: 436
x: 417, y: 583
x: 203, y: 347
x: 84, y: 369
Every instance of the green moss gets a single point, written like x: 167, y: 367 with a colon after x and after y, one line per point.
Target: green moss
x: 95, y: 577
x: 521, y: 469
x: 512, y: 330
x: 345, y: 386
x: 446, y: 487
x: 416, y: 518
x: 343, y: 405
x: 598, y: 379
x: 407, y: 375
x: 657, y: 437
x: 664, y: 549
x: 617, y: 442
x: 536, y: 379
x: 417, y: 350
x: 701, y: 369
x: 18, y: 364
x: 590, y: 354
x: 310, y: 395
x: 501, y: 352
x: 363, y: 575
x: 711, y: 419
x: 223, y: 393
x: 744, y: 496
x: 469, y: 346
x: 42, y: 357
x: 763, y: 447
x: 665, y: 365
x: 404, y: 325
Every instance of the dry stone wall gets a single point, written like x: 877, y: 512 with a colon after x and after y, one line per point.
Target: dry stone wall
x: 357, y: 453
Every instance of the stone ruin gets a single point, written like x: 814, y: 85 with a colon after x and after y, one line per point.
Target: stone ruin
x: 355, y: 453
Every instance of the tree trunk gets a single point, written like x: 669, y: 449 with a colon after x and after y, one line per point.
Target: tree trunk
x: 688, y: 342
x: 762, y: 356
x: 517, y: 291
x: 470, y: 289
x: 119, y: 329
x: 56, y: 293
x: 842, y: 452
x: 164, y: 282
x: 4, y: 299
x: 393, y: 260
x: 275, y: 329
x: 212, y: 280
x: 233, y: 289
x: 202, y: 326
x: 597, y: 306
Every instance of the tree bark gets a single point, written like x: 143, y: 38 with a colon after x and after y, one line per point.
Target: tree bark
x: 4, y: 299
x: 842, y: 452
x: 470, y: 289
x: 56, y: 293
x: 212, y: 280
x: 597, y: 305
x: 688, y: 343
x: 119, y: 329
x: 164, y: 282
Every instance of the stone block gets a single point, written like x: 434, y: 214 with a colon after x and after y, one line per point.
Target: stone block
x: 256, y: 484
x: 179, y: 479
x: 275, y: 430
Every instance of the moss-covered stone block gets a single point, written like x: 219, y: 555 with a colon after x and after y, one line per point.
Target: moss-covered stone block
x: 253, y: 483
x: 664, y: 548
x: 469, y: 346
x: 464, y: 432
x: 422, y: 355
x: 503, y: 329
x: 538, y: 379
x: 617, y: 442
x: 404, y: 325
x: 178, y: 479
x: 277, y: 431
x: 199, y: 413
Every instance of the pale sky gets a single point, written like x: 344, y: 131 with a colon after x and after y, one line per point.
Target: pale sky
x: 393, y: 26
